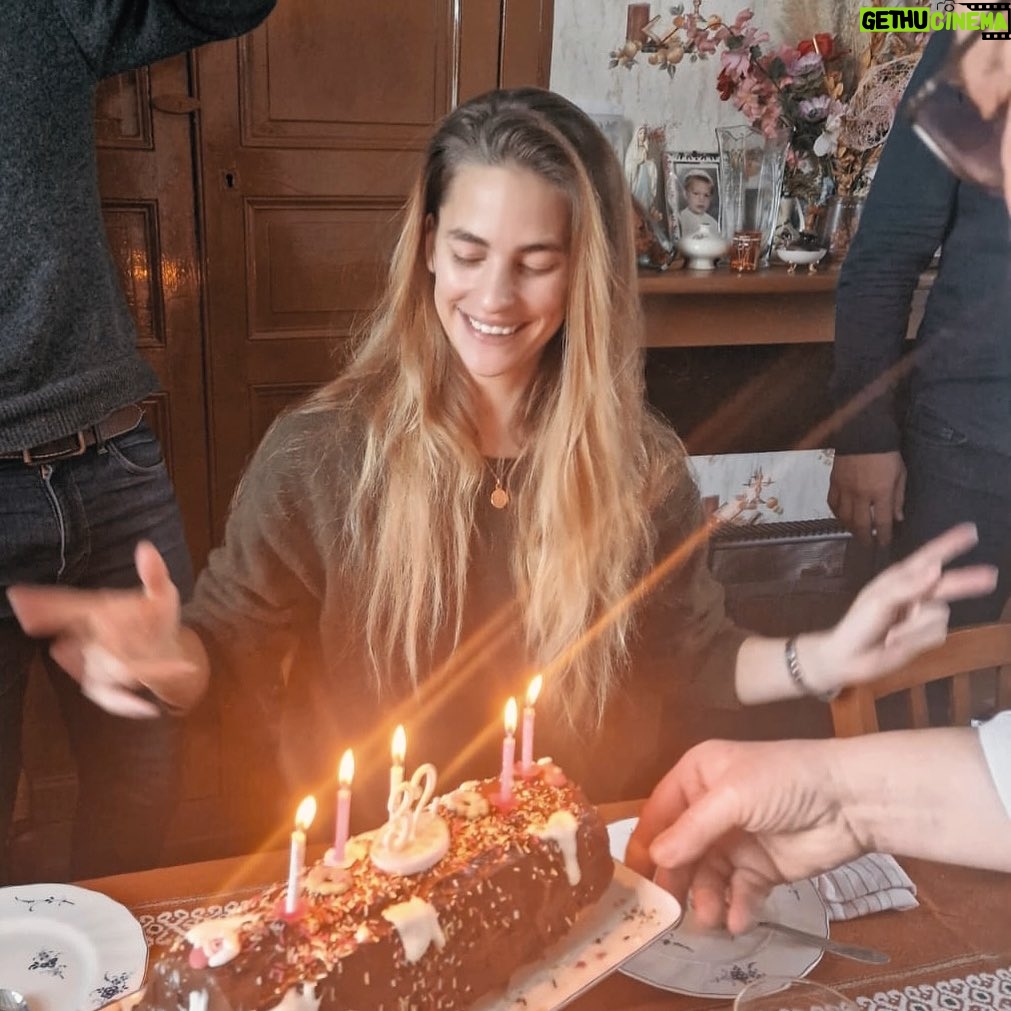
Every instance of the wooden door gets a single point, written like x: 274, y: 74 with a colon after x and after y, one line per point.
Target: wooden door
x: 312, y: 128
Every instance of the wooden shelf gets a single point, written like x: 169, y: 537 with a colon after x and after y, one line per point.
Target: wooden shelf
x: 721, y: 308
x: 723, y: 281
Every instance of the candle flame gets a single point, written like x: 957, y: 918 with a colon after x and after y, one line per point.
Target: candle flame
x: 534, y: 689
x: 346, y: 772
x: 399, y: 749
x: 510, y: 717
x: 305, y: 813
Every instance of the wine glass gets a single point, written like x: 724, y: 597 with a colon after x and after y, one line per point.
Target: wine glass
x: 789, y: 993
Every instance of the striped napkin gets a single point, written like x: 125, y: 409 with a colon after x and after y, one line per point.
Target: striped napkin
x: 869, y: 884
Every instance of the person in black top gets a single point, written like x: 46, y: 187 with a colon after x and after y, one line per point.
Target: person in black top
x: 906, y: 473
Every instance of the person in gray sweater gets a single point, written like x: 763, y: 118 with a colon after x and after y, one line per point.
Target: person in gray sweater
x: 82, y: 478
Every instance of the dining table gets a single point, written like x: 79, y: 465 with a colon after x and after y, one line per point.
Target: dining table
x: 950, y: 953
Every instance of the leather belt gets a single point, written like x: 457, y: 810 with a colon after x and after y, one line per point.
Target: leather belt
x: 121, y: 421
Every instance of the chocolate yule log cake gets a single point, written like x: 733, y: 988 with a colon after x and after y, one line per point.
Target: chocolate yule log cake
x: 434, y: 910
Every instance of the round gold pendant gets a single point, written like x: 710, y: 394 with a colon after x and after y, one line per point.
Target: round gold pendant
x: 500, y: 498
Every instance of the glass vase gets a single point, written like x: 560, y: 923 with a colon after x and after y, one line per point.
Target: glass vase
x: 839, y: 224
x: 751, y: 181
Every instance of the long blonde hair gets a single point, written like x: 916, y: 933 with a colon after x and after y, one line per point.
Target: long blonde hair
x: 594, y: 464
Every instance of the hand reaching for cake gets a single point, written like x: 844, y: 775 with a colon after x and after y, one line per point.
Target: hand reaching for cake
x: 733, y: 819
x: 126, y: 648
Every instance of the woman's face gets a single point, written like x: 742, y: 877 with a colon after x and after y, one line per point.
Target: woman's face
x: 499, y: 254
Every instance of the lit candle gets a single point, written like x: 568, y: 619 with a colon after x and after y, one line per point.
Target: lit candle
x: 296, y: 864
x: 528, y: 723
x: 399, y: 753
x: 345, y: 774
x: 505, y: 782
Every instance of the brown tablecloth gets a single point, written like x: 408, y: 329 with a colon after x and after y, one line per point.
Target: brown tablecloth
x: 962, y: 928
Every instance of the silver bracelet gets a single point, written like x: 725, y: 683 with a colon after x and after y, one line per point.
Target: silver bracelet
x: 797, y: 675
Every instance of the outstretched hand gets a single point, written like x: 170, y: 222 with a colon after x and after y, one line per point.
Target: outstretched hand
x: 903, y: 611
x: 115, y: 643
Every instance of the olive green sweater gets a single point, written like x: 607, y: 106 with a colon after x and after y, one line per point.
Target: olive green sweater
x: 277, y: 616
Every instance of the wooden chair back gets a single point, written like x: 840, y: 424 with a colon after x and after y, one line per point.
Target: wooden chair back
x: 967, y: 653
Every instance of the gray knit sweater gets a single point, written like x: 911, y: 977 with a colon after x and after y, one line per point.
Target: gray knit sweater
x: 67, y: 343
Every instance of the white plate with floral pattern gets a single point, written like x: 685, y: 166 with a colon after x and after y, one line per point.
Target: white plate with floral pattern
x: 68, y: 949
x: 711, y: 963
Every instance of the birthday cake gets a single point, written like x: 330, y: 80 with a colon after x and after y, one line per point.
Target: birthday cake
x: 433, y: 911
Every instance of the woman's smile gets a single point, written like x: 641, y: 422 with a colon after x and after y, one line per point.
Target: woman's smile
x: 499, y: 253
x: 491, y: 329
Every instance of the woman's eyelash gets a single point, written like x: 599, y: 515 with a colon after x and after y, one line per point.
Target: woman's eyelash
x: 527, y: 268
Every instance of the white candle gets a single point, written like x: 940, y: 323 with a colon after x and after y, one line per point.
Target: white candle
x: 533, y: 691
x: 505, y: 782
x: 296, y: 863
x: 399, y: 753
x: 345, y: 775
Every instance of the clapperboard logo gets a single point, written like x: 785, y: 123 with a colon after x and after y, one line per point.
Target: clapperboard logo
x: 1004, y: 8
x: 991, y: 20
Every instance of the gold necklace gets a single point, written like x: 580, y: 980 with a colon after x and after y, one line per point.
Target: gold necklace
x: 500, y: 493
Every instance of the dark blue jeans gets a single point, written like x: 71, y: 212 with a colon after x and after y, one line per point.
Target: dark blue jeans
x: 950, y: 480
x: 76, y: 522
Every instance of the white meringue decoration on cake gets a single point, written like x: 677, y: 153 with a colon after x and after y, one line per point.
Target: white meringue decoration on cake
x: 561, y: 829
x: 417, y: 923
x: 198, y: 1000
x: 218, y: 938
x: 327, y: 879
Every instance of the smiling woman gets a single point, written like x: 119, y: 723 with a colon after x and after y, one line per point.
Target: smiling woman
x: 370, y: 576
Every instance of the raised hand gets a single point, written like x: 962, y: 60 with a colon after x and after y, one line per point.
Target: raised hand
x: 121, y: 645
x: 904, y: 610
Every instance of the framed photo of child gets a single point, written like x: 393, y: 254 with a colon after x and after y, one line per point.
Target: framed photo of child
x: 692, y: 190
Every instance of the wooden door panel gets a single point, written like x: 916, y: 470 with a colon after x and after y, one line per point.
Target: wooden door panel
x: 316, y: 266
x: 322, y: 74
x: 132, y: 228
x: 146, y: 177
x: 526, y: 43
x: 123, y: 112
x: 312, y: 129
